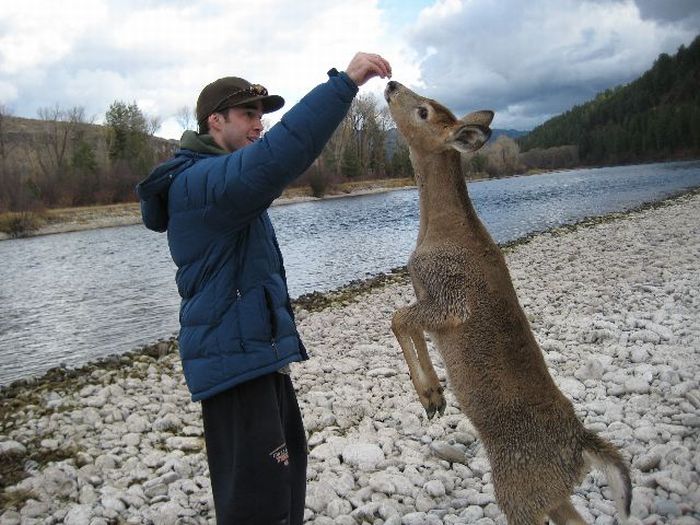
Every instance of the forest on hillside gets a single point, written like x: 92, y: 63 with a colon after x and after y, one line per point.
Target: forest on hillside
x: 62, y: 159
x: 655, y: 117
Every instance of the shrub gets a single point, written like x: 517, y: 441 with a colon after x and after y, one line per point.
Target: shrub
x: 20, y: 224
x: 318, y: 182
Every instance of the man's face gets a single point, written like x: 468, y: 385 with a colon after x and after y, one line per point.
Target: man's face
x: 241, y: 126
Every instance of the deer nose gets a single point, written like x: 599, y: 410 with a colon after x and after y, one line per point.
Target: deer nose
x: 391, y: 86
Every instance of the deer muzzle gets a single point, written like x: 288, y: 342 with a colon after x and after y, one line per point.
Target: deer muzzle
x: 391, y: 87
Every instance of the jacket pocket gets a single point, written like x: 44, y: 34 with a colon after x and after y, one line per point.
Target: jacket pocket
x: 254, y: 316
x: 270, y: 304
x: 282, y: 322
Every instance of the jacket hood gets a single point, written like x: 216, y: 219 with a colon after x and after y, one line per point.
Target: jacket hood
x: 153, y: 190
x: 200, y: 143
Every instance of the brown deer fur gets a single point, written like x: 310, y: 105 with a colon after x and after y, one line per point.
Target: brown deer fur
x: 538, y: 449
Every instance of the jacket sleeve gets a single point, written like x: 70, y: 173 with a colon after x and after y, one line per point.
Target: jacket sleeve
x: 244, y: 183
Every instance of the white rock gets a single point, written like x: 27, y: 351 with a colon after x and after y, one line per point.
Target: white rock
x: 671, y: 485
x: 12, y: 517
x: 572, y: 387
x: 382, y: 482
x: 168, y: 513
x: 366, y: 456
x: 184, y: 443
x: 78, y: 515
x: 448, y: 452
x: 593, y: 369
x: 637, y: 385
x: 137, y: 423
x: 338, y: 507
x: 12, y: 448
x: 646, y: 433
x: 472, y: 513
x: 415, y: 518
x: 319, y: 495
x: 435, y: 488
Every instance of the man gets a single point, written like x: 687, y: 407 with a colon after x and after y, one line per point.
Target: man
x: 237, y: 330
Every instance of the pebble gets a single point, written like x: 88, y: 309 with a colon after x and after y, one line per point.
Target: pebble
x: 615, y: 306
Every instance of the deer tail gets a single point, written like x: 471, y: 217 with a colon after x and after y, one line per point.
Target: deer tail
x: 604, y: 456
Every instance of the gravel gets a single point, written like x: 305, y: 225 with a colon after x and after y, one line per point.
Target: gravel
x: 615, y: 305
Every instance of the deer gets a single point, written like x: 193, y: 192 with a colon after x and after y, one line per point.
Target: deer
x: 465, y: 300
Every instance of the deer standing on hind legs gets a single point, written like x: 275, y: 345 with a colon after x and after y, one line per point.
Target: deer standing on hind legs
x: 538, y: 449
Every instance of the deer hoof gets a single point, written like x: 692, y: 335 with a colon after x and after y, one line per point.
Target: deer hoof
x: 434, y: 402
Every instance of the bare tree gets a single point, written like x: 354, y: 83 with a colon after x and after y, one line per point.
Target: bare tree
x: 59, y: 126
x: 4, y: 113
x: 153, y: 124
x: 53, y: 146
x: 186, y: 117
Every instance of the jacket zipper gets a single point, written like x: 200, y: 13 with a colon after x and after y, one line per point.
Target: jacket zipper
x: 273, y: 322
x: 238, y: 319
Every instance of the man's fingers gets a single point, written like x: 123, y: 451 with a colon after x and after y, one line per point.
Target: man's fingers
x: 373, y: 66
x: 382, y: 67
x: 365, y: 66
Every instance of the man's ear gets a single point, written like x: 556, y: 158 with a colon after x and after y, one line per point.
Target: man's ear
x: 468, y: 137
x: 214, y: 121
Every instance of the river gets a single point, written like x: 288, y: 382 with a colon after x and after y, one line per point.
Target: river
x: 71, y: 298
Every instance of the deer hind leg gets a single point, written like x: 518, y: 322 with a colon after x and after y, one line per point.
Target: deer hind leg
x: 566, y: 514
x: 408, y: 325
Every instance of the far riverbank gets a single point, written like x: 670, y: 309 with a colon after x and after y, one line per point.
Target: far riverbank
x: 67, y: 220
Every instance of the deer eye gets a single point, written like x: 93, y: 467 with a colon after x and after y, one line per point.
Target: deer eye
x: 422, y: 112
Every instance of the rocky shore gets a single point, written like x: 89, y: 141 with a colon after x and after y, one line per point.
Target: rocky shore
x: 615, y: 305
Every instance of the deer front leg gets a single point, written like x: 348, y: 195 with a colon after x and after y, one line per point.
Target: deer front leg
x: 410, y: 335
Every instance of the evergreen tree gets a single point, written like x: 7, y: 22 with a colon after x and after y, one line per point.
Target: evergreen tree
x: 652, y: 118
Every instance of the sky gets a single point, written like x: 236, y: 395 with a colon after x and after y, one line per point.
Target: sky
x: 527, y: 60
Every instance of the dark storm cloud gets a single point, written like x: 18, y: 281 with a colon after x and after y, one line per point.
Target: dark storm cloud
x: 683, y: 11
x: 531, y: 61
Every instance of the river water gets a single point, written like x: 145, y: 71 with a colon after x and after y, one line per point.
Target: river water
x: 71, y: 298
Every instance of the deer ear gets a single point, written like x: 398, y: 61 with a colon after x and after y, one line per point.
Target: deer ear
x: 479, y: 118
x: 468, y: 137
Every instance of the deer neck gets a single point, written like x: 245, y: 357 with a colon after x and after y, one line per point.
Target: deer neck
x: 442, y: 191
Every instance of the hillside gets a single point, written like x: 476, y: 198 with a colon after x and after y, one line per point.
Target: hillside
x: 655, y: 117
x: 19, y: 132
x: 62, y: 160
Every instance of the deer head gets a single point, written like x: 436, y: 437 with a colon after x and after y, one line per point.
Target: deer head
x: 429, y: 127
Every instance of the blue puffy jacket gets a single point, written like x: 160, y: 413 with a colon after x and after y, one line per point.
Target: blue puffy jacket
x: 236, y: 320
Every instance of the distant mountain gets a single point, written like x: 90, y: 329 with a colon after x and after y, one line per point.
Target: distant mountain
x: 392, y: 135
x: 655, y: 117
x: 512, y: 133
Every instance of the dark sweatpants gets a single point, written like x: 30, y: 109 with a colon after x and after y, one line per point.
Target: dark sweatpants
x: 256, y: 449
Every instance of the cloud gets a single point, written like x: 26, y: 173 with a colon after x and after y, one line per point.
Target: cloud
x: 161, y: 53
x: 532, y: 60
x: 525, y: 60
x: 687, y: 12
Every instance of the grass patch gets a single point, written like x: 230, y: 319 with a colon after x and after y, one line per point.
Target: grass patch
x: 21, y: 223
x: 86, y: 214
